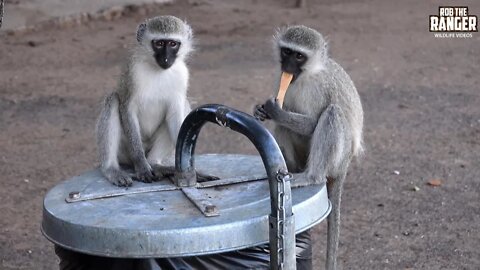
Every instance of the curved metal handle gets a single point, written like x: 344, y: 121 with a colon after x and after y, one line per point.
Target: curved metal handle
x: 282, y: 229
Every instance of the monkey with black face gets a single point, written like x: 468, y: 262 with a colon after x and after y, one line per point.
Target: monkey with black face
x: 319, y: 128
x: 140, y: 121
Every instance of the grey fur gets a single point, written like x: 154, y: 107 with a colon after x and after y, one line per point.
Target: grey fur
x: 141, y: 31
x: 303, y: 36
x: 320, y: 126
x: 168, y: 25
x: 120, y: 140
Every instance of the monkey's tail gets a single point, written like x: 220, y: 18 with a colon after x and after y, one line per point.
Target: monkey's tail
x: 334, y: 188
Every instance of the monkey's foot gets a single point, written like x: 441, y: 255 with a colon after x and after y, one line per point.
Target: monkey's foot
x: 162, y: 171
x: 144, y: 173
x: 118, y: 177
x: 203, y: 177
x: 169, y: 172
x: 303, y: 180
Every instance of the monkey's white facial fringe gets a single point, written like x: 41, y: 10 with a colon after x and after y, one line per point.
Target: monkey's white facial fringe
x: 316, y: 61
x: 275, y: 42
x: 295, y: 47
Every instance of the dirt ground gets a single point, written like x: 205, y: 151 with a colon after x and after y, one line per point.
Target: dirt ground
x: 420, y: 95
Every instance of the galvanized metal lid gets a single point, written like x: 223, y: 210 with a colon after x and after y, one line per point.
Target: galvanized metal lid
x: 89, y: 215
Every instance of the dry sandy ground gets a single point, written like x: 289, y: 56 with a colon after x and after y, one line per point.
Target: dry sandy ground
x: 19, y: 13
x: 420, y: 95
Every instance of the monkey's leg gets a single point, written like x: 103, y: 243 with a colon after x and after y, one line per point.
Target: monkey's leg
x: 330, y: 153
x: 109, y: 134
x: 330, y: 148
x: 131, y: 129
x: 161, y: 155
x: 283, y: 137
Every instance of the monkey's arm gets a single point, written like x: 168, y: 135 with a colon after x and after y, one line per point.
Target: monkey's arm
x: 298, y: 123
x: 131, y: 129
x: 176, y: 112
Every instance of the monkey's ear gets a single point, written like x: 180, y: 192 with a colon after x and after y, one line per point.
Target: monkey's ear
x: 141, y: 32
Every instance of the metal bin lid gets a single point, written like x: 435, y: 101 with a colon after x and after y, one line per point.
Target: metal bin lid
x: 90, y: 215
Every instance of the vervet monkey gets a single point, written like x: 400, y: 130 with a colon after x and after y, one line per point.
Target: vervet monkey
x: 140, y: 120
x: 320, y: 126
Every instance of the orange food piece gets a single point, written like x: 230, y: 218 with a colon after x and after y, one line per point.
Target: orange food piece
x: 285, y: 81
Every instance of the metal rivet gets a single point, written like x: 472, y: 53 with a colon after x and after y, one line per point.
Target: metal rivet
x: 210, y: 208
x: 74, y: 195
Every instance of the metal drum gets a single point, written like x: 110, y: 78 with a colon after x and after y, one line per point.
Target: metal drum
x: 251, y: 203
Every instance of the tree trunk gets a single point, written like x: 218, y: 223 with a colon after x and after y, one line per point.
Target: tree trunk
x: 301, y: 3
x: 1, y: 13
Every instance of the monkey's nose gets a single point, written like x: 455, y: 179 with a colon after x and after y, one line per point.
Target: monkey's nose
x: 164, y: 63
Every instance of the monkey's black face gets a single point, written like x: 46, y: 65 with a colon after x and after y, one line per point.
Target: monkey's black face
x: 292, y: 62
x: 165, y: 51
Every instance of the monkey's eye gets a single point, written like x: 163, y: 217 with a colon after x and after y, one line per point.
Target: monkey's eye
x: 172, y: 44
x: 286, y: 51
x: 158, y: 43
x: 300, y: 57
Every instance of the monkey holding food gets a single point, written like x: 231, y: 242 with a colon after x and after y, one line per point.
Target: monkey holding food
x: 319, y: 123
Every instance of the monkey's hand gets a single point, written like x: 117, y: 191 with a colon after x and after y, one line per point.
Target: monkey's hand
x: 259, y: 113
x: 144, y: 173
x: 296, y: 122
x: 273, y: 110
